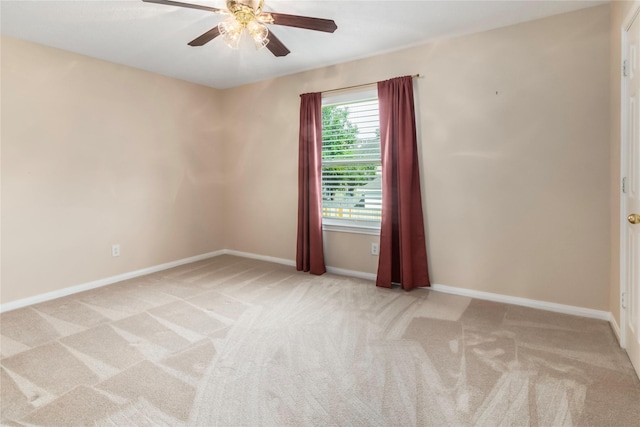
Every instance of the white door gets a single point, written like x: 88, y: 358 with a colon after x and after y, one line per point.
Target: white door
x: 631, y: 202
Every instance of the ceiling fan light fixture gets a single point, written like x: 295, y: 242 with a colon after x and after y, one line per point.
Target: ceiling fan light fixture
x: 258, y: 33
x: 248, y: 17
x: 231, y: 31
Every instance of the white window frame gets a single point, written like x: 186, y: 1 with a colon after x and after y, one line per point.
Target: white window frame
x: 345, y: 225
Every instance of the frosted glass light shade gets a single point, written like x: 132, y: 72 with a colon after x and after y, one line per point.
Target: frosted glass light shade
x: 259, y: 33
x: 231, y: 31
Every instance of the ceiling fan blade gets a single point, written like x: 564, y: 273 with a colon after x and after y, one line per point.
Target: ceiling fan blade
x: 317, y: 24
x: 276, y: 46
x: 188, y: 5
x: 206, y: 37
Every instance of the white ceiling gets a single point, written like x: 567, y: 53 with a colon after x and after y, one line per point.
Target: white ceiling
x: 154, y: 37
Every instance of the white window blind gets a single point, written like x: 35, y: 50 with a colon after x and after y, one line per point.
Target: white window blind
x: 351, y: 169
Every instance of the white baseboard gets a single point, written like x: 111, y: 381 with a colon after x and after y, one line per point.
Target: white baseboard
x: 542, y: 305
x: 616, y: 328
x: 525, y: 302
x: 351, y: 273
x: 102, y: 282
x: 292, y: 263
x: 275, y: 260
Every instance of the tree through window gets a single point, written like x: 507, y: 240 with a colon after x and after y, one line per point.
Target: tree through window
x: 351, y: 170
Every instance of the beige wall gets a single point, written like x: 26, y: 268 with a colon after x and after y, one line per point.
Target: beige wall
x: 619, y: 12
x: 95, y: 153
x: 514, y: 138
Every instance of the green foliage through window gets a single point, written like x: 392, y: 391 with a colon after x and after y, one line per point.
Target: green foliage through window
x: 351, y: 181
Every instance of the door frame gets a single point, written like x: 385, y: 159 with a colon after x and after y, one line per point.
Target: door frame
x: 630, y: 17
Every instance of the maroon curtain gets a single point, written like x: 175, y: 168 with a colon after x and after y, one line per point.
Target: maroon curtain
x: 403, y: 254
x: 309, y: 255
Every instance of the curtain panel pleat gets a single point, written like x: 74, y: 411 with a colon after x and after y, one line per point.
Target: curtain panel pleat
x: 310, y: 252
x: 403, y: 254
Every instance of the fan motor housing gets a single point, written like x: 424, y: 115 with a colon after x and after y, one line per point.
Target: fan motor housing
x: 235, y: 6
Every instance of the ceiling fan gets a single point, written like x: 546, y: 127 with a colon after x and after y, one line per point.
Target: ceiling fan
x: 248, y: 16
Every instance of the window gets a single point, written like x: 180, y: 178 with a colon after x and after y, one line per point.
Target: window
x: 351, y: 168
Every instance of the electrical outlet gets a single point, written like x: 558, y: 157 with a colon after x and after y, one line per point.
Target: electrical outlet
x: 375, y: 249
x: 115, y: 250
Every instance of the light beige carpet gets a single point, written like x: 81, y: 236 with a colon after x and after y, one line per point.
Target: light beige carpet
x: 237, y: 342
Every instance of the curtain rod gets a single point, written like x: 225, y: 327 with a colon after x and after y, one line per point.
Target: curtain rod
x: 357, y: 86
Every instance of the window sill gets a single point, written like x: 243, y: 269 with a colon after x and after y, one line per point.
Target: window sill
x: 341, y: 227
